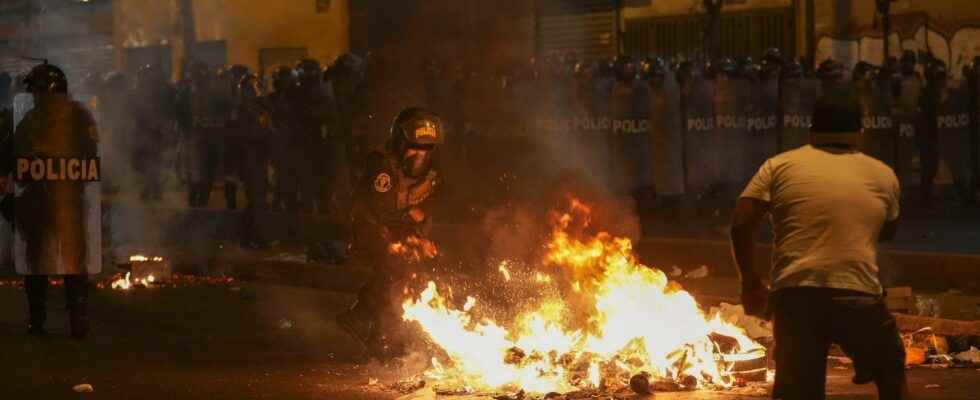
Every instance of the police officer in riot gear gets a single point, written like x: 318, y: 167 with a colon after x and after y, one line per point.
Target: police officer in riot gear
x: 253, y: 122
x: 153, y: 115
x: 830, y: 71
x: 392, y: 205
x: 205, y: 105
x: 51, y: 214
x: 284, y: 145
x: 313, y: 107
x: 927, y: 138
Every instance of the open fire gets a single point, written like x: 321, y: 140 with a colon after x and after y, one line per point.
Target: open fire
x: 612, y: 320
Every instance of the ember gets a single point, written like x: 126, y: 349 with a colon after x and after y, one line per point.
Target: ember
x: 619, y: 323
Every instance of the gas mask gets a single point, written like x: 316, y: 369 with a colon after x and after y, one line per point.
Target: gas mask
x: 417, y: 161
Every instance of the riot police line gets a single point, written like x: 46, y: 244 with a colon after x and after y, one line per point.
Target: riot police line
x: 705, y: 127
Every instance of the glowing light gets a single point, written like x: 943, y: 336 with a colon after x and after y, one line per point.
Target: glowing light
x: 619, y: 318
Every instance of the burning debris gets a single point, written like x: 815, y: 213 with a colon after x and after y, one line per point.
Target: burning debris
x: 617, y: 324
x: 414, y: 249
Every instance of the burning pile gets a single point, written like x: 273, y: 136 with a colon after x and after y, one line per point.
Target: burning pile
x: 615, y: 320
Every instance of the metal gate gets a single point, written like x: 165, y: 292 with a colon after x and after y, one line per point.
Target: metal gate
x: 742, y: 34
x: 587, y: 27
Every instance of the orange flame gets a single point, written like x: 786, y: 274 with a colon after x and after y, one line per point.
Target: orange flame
x: 617, y: 318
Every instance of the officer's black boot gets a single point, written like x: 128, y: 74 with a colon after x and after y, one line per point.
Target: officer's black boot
x: 36, y: 288
x: 76, y: 292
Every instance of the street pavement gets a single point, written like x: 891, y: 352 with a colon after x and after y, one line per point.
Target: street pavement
x: 247, y: 341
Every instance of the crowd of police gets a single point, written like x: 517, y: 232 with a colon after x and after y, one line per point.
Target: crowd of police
x: 295, y: 139
x: 702, y: 128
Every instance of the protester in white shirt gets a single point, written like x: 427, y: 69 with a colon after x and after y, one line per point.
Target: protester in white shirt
x: 829, y: 206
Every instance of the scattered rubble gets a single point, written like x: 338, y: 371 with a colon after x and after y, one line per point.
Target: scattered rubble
x: 698, y: 273
x: 969, y: 356
x: 83, y: 388
x: 754, y: 327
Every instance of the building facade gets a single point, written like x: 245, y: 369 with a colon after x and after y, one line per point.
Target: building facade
x: 89, y: 37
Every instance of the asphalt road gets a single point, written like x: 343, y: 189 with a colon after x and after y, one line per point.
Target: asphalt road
x: 248, y: 342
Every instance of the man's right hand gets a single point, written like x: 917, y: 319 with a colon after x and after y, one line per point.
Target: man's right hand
x: 755, y: 301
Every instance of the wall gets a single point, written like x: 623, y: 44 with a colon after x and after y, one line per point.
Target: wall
x: 246, y: 26
x: 951, y: 28
x: 661, y: 8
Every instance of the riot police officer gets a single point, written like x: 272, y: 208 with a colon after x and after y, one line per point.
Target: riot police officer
x: 206, y: 104
x: 314, y: 112
x: 153, y: 116
x: 51, y: 214
x: 666, y: 132
x: 285, y: 160
x: 392, y: 205
x: 232, y: 144
x: 253, y: 122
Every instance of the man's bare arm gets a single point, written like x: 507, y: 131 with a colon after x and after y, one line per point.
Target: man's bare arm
x: 745, y: 223
x: 888, y: 231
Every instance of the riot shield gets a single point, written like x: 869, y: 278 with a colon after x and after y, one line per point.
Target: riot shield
x: 763, y: 123
x: 732, y: 143
x: 880, y: 131
x: 953, y: 132
x: 626, y: 130
x: 701, y: 144
x: 56, y: 192
x: 796, y: 100
x: 666, y: 137
x: 907, y: 118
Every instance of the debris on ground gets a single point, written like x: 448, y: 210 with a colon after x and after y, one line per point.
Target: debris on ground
x: 676, y: 272
x: 284, y: 324
x: 372, y: 382
x: 933, y: 386
x: 288, y: 257
x: 970, y: 356
x: 698, y: 273
x: 408, y: 385
x: 734, y: 314
x: 83, y: 388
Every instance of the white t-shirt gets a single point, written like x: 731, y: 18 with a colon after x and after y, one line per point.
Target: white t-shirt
x: 827, y: 208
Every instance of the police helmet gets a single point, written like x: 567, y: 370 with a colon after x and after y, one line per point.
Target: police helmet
x: 863, y: 71
x: 936, y: 71
x: 725, y: 66
x: 283, y: 77
x: 830, y: 70
x: 653, y: 67
x: 791, y: 70
x: 416, y: 126
x: 250, y: 86
x: 46, y: 78
x: 308, y: 68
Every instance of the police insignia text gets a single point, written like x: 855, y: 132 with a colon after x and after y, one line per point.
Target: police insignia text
x: 58, y: 169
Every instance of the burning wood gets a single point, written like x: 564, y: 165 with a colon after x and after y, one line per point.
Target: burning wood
x: 414, y: 249
x: 618, y: 324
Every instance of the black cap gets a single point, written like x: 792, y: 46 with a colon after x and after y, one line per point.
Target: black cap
x: 837, y: 111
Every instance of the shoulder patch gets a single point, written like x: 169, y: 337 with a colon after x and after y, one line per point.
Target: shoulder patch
x: 382, y: 182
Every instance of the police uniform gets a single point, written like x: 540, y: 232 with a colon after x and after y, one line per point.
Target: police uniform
x: 50, y: 214
x: 392, y: 205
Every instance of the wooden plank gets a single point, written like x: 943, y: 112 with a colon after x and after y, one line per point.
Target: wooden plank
x: 940, y: 326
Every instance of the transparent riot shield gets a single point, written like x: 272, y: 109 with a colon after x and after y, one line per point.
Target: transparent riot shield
x: 731, y: 141
x: 701, y: 165
x: 880, y: 130
x: 56, y: 227
x: 953, y: 132
x: 666, y: 136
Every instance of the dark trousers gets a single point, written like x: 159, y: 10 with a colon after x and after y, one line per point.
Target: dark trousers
x: 36, y: 288
x: 809, y: 320
x: 929, y: 158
